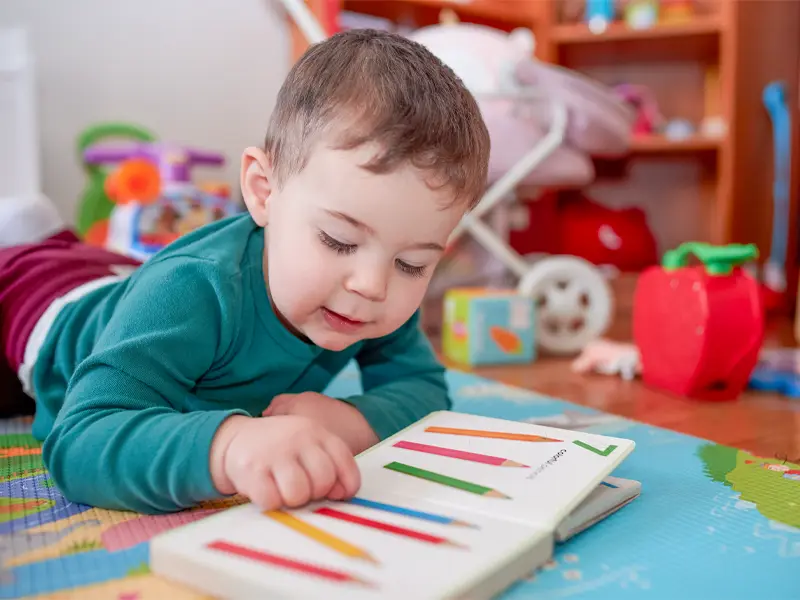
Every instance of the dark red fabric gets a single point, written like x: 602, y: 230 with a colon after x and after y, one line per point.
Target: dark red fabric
x: 33, y: 275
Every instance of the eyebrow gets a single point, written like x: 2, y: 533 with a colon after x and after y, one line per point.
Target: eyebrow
x: 364, y: 227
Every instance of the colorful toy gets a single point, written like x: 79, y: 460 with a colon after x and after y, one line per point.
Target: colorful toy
x: 774, y: 275
x: 484, y: 326
x: 609, y: 358
x: 641, y: 14
x: 96, y: 206
x: 778, y: 370
x: 676, y: 11
x: 641, y: 99
x: 153, y: 198
x: 598, y: 14
x: 699, y: 328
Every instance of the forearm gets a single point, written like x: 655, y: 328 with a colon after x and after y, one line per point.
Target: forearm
x: 121, y: 452
x: 390, y: 407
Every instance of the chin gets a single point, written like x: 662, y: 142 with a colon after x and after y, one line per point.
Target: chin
x: 333, y: 342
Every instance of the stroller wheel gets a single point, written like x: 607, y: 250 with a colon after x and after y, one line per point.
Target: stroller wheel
x: 573, y: 303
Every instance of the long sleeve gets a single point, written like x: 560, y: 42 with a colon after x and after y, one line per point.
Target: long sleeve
x: 126, y: 437
x: 402, y: 380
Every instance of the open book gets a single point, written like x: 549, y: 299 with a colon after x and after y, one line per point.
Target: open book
x: 454, y: 506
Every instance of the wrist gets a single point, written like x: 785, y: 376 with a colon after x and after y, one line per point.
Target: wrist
x: 363, y: 436
x: 219, y: 450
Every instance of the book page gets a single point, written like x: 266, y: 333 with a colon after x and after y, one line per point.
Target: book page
x: 374, y: 546
x: 512, y: 470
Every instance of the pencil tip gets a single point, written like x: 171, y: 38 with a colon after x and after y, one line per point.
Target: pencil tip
x: 496, y: 494
x: 465, y: 524
x: 370, y: 559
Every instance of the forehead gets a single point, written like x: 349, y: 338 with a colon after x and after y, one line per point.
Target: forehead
x: 337, y: 180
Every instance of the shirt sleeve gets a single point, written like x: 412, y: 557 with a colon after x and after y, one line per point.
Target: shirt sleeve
x: 402, y: 380
x: 125, y: 437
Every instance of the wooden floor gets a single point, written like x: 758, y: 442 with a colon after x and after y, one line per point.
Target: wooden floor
x: 764, y: 424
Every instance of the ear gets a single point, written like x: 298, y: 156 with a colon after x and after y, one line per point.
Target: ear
x: 257, y: 183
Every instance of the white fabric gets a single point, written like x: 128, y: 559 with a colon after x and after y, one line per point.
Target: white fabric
x: 45, y: 322
x: 28, y: 220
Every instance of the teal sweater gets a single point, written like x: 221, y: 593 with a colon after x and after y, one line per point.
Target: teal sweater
x: 134, y: 379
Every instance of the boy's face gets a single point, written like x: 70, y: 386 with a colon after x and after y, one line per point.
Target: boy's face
x: 349, y: 253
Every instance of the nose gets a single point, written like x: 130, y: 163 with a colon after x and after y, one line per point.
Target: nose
x: 369, y: 282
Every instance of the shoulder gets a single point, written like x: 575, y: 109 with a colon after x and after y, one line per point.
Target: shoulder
x: 216, y: 254
x: 225, y: 243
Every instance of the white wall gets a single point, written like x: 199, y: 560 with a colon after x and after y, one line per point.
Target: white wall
x: 199, y: 72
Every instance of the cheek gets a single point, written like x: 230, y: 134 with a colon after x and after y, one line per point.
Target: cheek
x: 403, y: 300
x: 295, y: 262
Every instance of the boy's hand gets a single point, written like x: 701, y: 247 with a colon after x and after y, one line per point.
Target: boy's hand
x: 286, y: 461
x: 341, y: 418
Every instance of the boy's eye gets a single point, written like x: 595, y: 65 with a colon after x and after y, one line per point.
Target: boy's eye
x: 339, y: 247
x: 408, y: 269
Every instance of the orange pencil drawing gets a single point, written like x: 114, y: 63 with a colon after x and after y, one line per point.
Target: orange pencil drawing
x: 500, y: 435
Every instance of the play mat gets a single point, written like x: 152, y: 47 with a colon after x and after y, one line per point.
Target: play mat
x: 711, y: 521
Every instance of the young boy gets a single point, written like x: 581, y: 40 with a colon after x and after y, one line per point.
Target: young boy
x: 199, y: 374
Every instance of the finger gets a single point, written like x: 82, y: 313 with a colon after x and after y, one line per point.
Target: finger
x: 337, y: 492
x: 279, y: 405
x: 263, y: 492
x: 292, y: 481
x: 320, y: 469
x: 347, y: 472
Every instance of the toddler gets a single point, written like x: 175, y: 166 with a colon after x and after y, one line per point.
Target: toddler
x: 199, y: 373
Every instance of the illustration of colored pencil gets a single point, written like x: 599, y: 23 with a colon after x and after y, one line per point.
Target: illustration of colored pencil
x: 319, y: 535
x: 460, y: 484
x: 408, y: 512
x: 460, y: 454
x: 383, y: 526
x: 499, y: 435
x: 287, y: 563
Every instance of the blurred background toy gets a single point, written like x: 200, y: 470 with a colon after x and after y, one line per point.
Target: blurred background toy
x: 642, y: 101
x: 641, y: 14
x: 777, y: 370
x: 699, y: 328
x: 152, y: 197
x: 485, y: 327
x: 95, y: 206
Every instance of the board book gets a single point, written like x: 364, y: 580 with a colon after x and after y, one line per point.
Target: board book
x: 454, y: 506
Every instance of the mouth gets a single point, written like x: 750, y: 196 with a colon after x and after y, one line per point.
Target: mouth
x: 341, y: 322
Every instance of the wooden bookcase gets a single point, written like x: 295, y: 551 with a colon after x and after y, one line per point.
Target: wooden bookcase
x: 701, y: 188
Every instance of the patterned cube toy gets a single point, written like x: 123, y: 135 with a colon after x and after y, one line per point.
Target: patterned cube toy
x: 486, y: 326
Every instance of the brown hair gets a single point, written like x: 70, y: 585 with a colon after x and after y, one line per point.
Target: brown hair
x: 372, y: 86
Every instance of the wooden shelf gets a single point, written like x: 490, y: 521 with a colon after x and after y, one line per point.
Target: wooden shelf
x: 579, y: 33
x: 494, y: 10
x: 657, y: 144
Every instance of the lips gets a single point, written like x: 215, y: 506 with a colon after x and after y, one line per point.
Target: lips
x: 340, y: 322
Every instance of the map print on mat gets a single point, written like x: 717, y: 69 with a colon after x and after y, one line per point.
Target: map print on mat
x: 734, y: 517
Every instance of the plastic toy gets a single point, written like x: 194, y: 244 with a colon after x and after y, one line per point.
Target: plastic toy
x: 598, y: 14
x: 774, y: 273
x: 484, y: 326
x: 641, y: 14
x: 609, y: 358
x: 96, y: 206
x: 676, y: 11
x: 778, y: 370
x: 699, y: 328
x: 153, y: 198
x: 619, y: 237
x: 641, y: 99
x: 679, y: 129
